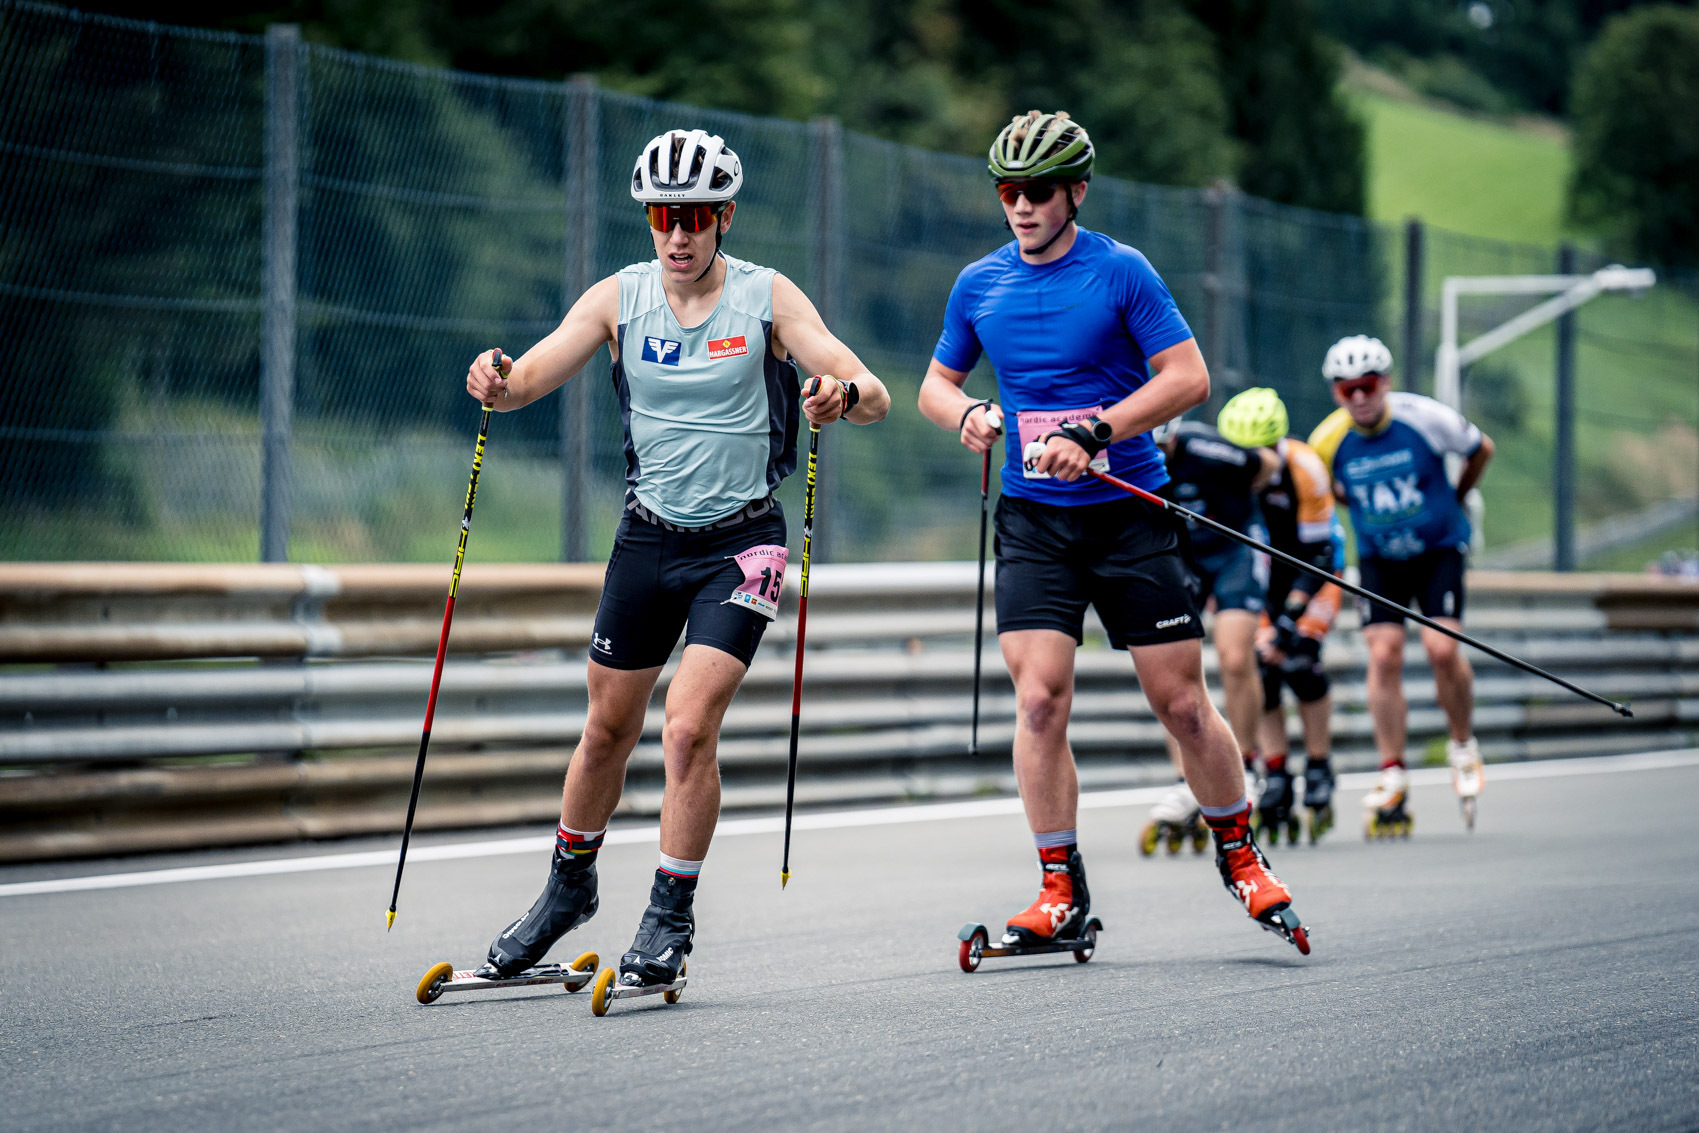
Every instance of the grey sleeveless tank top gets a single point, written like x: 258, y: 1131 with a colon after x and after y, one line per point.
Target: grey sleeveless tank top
x: 710, y: 415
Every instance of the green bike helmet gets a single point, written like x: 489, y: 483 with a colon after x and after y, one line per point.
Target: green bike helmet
x: 1253, y: 418
x: 1036, y: 145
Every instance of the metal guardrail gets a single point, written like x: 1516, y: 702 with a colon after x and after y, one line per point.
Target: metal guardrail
x: 315, y: 739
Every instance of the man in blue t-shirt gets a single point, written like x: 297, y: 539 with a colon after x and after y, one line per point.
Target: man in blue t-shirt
x: 1091, y: 354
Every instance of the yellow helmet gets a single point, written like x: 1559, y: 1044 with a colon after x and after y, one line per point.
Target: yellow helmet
x: 1253, y: 418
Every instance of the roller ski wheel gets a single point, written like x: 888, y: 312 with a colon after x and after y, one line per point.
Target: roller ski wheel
x: 1283, y: 922
x: 444, y: 978
x: 976, y: 945
x: 609, y: 988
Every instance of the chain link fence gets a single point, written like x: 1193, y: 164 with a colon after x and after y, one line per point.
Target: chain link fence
x: 241, y: 278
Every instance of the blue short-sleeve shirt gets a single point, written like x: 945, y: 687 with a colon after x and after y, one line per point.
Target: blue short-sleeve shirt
x: 1067, y: 339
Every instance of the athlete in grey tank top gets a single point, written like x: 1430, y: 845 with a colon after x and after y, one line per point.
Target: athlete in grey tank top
x: 705, y: 354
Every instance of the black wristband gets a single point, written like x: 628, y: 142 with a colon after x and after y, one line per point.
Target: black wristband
x: 1081, y: 435
x: 852, y: 396
x: 968, y: 412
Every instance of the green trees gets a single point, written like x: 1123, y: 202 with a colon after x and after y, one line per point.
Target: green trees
x: 1177, y: 92
x: 1636, y: 109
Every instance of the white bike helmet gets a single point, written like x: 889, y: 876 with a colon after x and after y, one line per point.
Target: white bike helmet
x: 1355, y: 356
x: 686, y: 165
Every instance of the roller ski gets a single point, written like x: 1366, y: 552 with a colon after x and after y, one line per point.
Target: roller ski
x: 1245, y: 873
x: 444, y: 978
x: 1274, y: 808
x: 1468, y: 776
x: 1386, y: 808
x: 1318, y: 800
x: 1057, y: 921
x: 1174, y: 820
x: 656, y: 963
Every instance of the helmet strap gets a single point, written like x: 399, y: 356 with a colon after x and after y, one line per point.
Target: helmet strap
x: 719, y: 235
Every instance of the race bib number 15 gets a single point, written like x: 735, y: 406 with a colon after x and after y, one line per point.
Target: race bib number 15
x: 763, y: 579
x: 1034, y: 423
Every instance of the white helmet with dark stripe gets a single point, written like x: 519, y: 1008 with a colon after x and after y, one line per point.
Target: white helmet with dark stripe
x: 686, y: 165
x: 1355, y: 356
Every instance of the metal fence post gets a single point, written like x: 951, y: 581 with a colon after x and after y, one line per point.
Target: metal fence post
x: 1563, y: 447
x: 1414, y: 256
x: 277, y: 319
x: 825, y: 143
x: 582, y: 163
x: 1214, y: 283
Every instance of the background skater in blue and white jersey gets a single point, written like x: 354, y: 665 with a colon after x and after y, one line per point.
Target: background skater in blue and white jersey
x: 1386, y: 452
x: 1091, y: 353
x: 703, y: 348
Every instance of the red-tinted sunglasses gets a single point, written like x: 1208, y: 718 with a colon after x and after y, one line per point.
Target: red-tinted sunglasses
x: 692, y: 218
x: 1037, y: 192
x: 1354, y: 386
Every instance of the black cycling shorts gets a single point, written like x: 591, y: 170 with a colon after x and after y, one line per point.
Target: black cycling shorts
x: 1432, y: 582
x: 659, y: 581
x: 1122, y: 557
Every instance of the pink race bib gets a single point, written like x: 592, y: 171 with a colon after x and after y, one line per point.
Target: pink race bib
x: 1034, y: 423
x: 763, y: 579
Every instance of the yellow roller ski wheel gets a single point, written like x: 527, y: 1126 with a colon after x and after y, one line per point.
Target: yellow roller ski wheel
x: 431, y: 986
x: 672, y: 996
x: 585, y: 963
x: 599, y: 1000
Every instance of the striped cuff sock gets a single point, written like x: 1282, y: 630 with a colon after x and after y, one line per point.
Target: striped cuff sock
x: 578, y: 845
x: 678, y: 867
x: 1227, y: 811
x: 1055, y: 838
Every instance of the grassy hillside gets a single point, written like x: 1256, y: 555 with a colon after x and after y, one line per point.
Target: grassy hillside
x: 1472, y: 175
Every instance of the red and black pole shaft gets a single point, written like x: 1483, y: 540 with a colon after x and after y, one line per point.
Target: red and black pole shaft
x: 497, y: 360
x: 1352, y: 588
x: 801, y: 635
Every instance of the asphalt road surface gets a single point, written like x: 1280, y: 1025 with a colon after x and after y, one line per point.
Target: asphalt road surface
x: 1540, y: 973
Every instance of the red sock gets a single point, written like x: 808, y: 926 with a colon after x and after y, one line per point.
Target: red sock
x: 1385, y: 763
x: 1273, y: 763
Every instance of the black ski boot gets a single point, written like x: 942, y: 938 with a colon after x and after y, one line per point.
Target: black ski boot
x: 1274, y: 807
x: 664, y: 936
x: 568, y: 900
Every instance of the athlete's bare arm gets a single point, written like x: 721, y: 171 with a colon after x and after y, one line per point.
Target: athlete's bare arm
x: 1475, y: 466
x: 1179, y: 380
x: 942, y: 402
x: 799, y: 331
x: 591, y: 323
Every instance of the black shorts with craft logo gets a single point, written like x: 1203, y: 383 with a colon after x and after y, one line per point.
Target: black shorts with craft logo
x: 1122, y: 557
x: 661, y: 579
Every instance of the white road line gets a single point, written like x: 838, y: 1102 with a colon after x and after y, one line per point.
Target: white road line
x: 832, y: 820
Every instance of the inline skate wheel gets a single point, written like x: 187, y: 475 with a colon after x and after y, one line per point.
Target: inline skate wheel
x: 1301, y: 940
x: 585, y: 963
x: 968, y: 955
x: 672, y: 996
x: 430, y: 988
x: 1175, y: 838
x: 599, y: 1000
x: 1148, y: 838
x: 1200, y: 838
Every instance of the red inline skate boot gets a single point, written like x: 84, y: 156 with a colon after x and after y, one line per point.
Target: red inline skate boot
x: 1245, y: 873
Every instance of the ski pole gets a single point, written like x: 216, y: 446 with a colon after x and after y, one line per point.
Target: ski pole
x: 801, y: 633
x: 1352, y: 588
x: 994, y: 418
x: 496, y: 360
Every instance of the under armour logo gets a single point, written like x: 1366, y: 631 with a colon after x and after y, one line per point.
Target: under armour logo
x: 605, y: 644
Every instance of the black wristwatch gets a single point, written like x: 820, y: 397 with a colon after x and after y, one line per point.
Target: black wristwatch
x: 1093, y: 434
